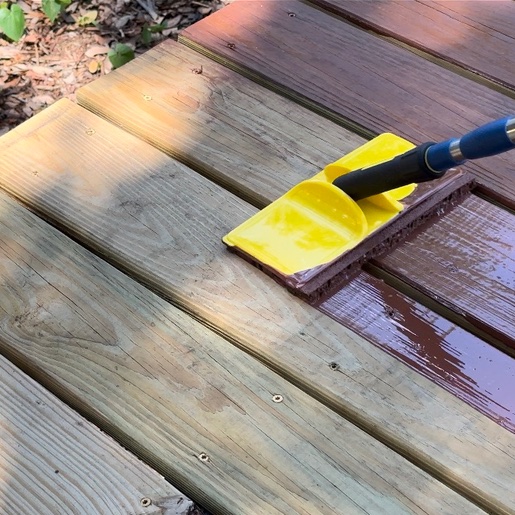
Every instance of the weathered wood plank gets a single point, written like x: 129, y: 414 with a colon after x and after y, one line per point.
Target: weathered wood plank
x: 468, y: 34
x: 468, y: 262
x: 162, y: 223
x: 54, y: 461
x: 356, y: 75
x: 120, y: 98
x: 189, y: 402
x: 217, y: 121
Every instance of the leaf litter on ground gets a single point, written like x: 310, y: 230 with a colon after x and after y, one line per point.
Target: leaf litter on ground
x: 52, y: 60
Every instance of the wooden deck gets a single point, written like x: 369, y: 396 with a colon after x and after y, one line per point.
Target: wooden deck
x: 212, y: 386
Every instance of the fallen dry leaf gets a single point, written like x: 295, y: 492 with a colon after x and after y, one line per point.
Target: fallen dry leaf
x: 95, y: 50
x: 8, y: 52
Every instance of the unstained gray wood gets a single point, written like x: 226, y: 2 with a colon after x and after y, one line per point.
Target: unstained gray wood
x: 163, y: 223
x: 243, y: 136
x: 54, y: 461
x: 232, y: 433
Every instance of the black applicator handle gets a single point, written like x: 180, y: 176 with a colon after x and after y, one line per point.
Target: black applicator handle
x: 430, y: 160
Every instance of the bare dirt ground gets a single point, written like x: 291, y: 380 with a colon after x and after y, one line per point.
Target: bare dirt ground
x: 52, y: 60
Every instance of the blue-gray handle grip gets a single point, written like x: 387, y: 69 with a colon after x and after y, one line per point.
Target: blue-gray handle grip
x: 430, y: 160
x: 490, y: 139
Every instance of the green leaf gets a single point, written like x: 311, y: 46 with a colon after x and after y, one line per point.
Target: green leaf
x: 120, y: 55
x: 146, y: 36
x: 157, y: 28
x: 52, y: 9
x: 146, y: 33
x: 12, y: 22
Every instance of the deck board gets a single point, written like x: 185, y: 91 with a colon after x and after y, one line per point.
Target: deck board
x: 464, y: 365
x: 356, y: 76
x: 217, y: 121
x: 162, y: 223
x: 172, y: 63
x: 467, y: 34
x: 54, y: 461
x: 469, y: 265
x: 172, y: 390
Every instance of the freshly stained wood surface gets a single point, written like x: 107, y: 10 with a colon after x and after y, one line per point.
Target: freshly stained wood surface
x: 218, y: 121
x: 464, y: 365
x: 478, y: 35
x: 54, y: 461
x: 468, y: 259
x: 355, y: 75
x: 163, y: 223
x: 125, y: 106
x: 234, y: 434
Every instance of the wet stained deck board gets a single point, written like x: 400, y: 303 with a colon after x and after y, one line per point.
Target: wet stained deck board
x: 474, y: 371
x: 173, y: 391
x: 54, y: 461
x: 468, y: 259
x: 221, y: 100
x: 162, y: 223
x: 354, y: 77
x: 477, y: 35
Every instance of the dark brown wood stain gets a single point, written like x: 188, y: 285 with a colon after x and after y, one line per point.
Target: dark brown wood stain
x: 467, y: 34
x: 459, y: 362
x: 357, y: 76
x: 465, y: 261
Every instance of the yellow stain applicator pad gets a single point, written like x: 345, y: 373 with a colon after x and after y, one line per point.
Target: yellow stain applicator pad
x: 315, y: 222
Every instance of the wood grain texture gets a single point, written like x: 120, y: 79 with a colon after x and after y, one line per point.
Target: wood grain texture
x: 471, y: 369
x: 218, y: 122
x: 468, y: 258
x: 478, y: 35
x: 193, y: 405
x: 120, y: 99
x: 54, y: 461
x: 355, y: 75
x: 163, y: 223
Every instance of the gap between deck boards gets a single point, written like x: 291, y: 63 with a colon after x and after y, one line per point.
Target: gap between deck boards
x: 243, y: 173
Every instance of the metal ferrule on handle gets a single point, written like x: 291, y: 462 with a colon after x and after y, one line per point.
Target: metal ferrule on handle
x: 488, y: 140
x: 430, y: 160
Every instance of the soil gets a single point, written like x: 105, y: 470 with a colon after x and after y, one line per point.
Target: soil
x: 52, y: 60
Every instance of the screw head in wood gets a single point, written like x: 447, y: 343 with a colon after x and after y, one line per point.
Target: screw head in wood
x: 277, y: 398
x: 145, y: 502
x: 203, y: 457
